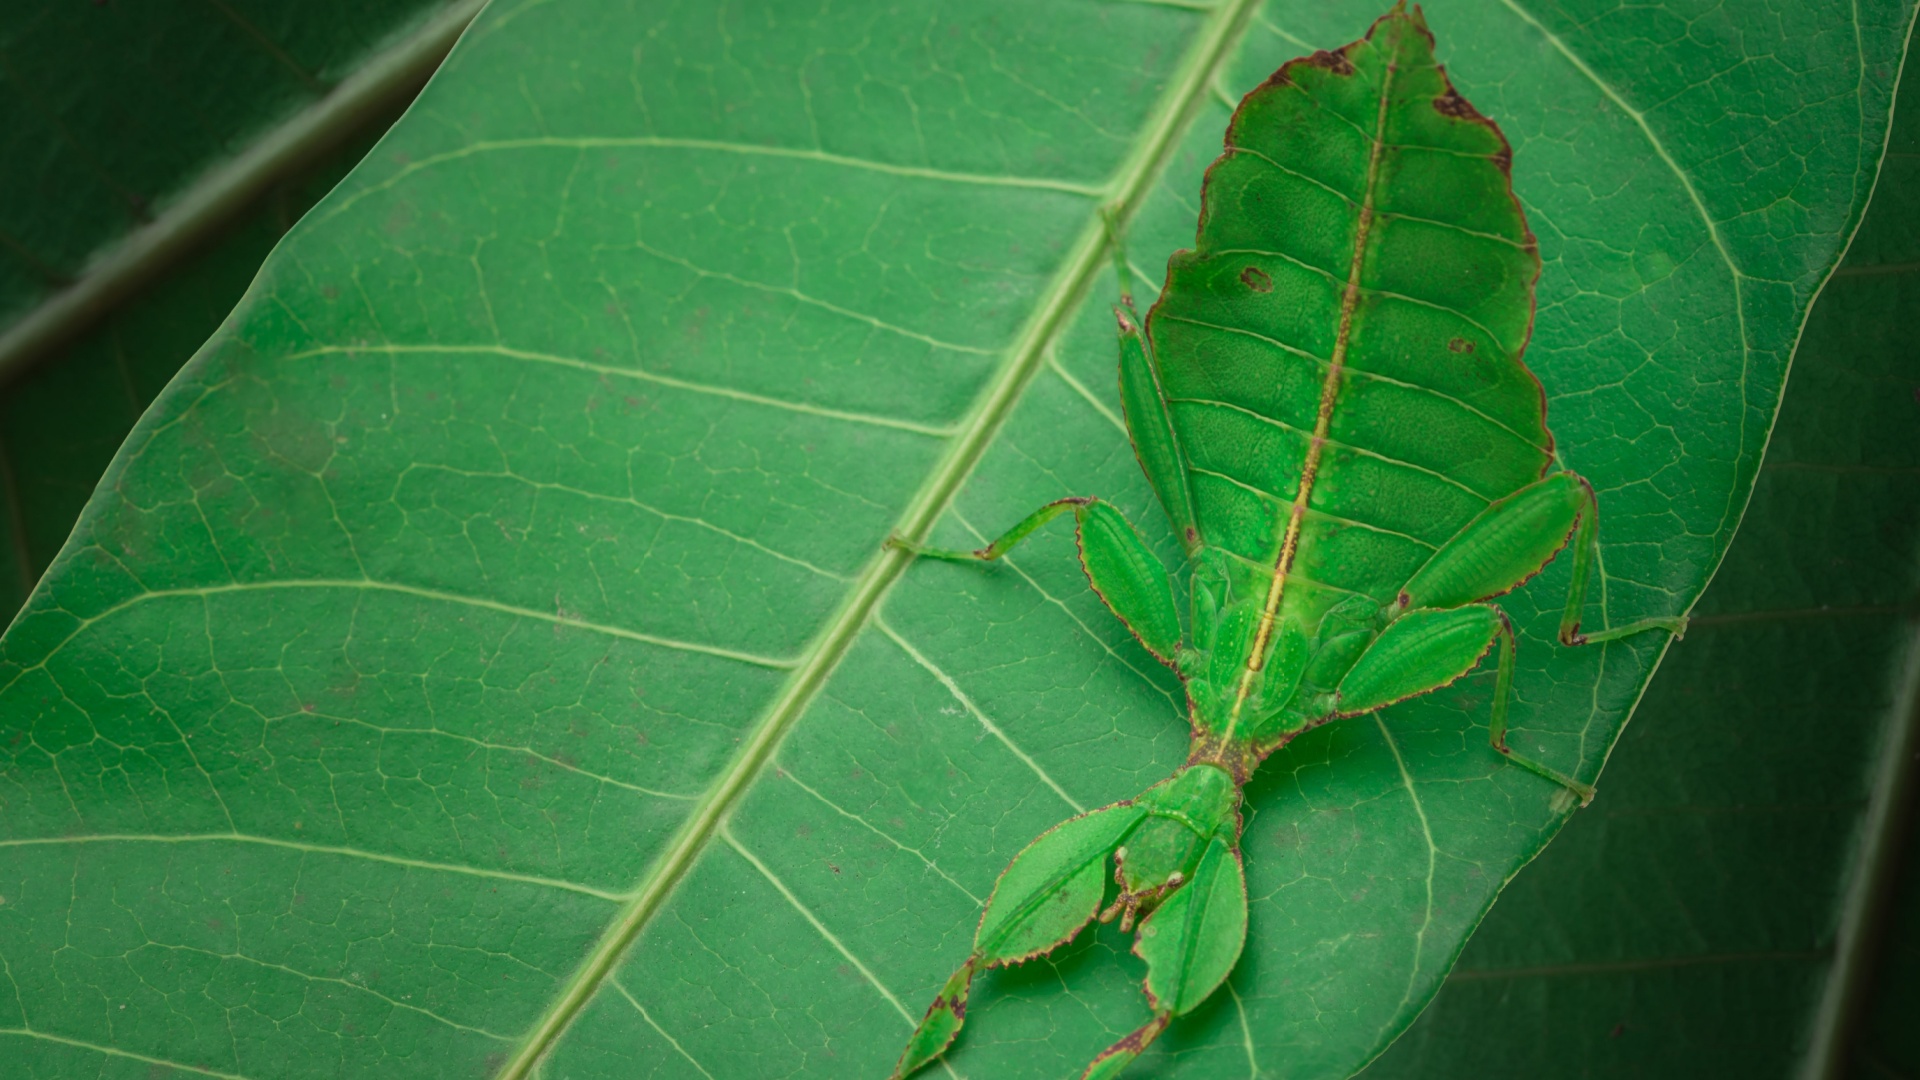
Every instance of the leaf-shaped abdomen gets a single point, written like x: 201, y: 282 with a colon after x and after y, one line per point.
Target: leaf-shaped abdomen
x: 1363, y: 279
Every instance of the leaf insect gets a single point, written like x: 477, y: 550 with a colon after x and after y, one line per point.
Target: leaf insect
x: 1328, y: 399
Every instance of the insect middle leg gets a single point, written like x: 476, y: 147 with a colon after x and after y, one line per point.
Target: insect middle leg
x: 1512, y: 540
x: 1426, y: 649
x: 1124, y: 572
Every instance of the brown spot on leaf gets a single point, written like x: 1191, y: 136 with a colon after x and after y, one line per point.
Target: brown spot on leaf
x: 1460, y: 345
x: 1256, y: 279
x: 1335, y: 62
x: 1452, y: 104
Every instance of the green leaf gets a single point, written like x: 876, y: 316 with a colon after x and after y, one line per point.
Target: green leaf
x: 113, y: 111
x: 485, y: 648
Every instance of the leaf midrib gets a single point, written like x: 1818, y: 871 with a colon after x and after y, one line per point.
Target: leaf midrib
x: 1089, y: 254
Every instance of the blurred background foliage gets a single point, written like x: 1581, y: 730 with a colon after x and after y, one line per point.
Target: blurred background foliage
x: 1743, y: 897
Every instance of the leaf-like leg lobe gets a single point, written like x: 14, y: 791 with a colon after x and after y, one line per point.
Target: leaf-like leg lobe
x: 1053, y: 887
x: 1193, y: 939
x: 1418, y: 653
x: 941, y: 1023
x: 1114, y: 1059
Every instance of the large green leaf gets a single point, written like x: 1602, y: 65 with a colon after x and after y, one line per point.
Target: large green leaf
x: 485, y: 647
x: 61, y: 422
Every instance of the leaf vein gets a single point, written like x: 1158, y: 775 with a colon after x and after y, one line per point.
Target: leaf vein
x: 978, y: 714
x: 1082, y: 264
x: 726, y: 833
x: 312, y: 849
x: 617, y: 372
x: 112, y: 1051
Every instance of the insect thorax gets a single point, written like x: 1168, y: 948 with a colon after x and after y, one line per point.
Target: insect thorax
x: 1317, y: 636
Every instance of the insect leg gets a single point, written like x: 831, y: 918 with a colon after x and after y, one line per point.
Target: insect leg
x: 941, y: 1023
x: 1586, y: 549
x: 1418, y: 653
x: 1156, y: 442
x: 1505, y: 545
x: 1115, y: 1059
x: 1497, y: 721
x: 1044, y: 896
x: 1127, y: 576
x: 1190, y: 944
x: 1007, y: 541
x: 1424, y: 650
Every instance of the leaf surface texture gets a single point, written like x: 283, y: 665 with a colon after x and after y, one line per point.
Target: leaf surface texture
x: 485, y: 645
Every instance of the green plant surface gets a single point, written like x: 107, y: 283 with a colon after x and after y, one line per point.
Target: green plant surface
x: 1685, y: 924
x: 107, y: 110
x: 1886, y: 1043
x: 482, y: 659
x: 61, y: 422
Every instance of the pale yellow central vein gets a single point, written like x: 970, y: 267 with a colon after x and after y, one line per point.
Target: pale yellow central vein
x: 1322, y: 423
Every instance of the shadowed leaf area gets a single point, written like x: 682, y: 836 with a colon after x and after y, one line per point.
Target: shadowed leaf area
x: 482, y: 659
x: 112, y: 109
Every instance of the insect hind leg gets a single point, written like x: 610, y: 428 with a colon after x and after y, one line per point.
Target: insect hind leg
x: 1497, y: 721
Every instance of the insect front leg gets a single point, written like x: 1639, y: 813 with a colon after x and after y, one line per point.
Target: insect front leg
x: 1044, y: 896
x: 1190, y: 943
x: 1150, y: 427
x: 1127, y: 576
x: 1006, y: 542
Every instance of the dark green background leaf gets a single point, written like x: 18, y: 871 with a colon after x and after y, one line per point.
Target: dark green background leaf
x: 427, y: 636
x: 108, y: 110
